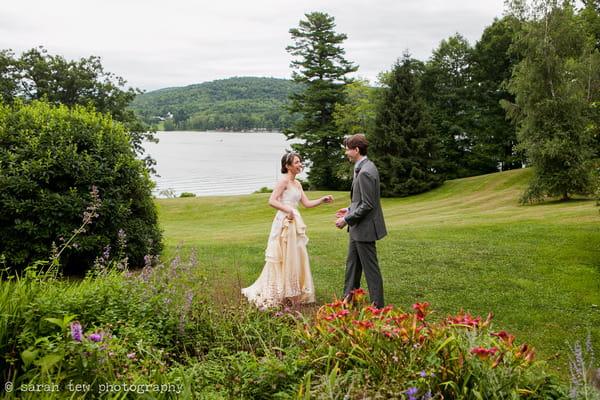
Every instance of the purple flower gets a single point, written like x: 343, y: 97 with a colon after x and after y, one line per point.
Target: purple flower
x: 96, y: 337
x: 411, y: 392
x: 423, y: 374
x: 76, y: 330
x: 131, y: 356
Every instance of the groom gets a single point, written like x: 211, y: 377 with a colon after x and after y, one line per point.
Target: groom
x: 365, y: 222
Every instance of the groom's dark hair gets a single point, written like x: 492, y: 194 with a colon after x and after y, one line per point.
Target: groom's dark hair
x: 288, y: 159
x: 358, y: 140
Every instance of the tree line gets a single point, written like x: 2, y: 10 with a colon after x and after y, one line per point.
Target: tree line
x: 236, y: 104
x: 525, y: 94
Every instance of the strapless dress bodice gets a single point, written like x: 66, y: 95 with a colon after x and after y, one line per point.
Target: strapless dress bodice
x: 290, y: 197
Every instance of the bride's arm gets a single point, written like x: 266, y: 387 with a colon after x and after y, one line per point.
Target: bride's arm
x: 276, y: 195
x: 313, y: 203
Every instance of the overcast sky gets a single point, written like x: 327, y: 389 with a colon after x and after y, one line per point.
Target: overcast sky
x: 155, y: 44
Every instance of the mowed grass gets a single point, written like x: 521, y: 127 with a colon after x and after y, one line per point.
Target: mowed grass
x: 467, y: 245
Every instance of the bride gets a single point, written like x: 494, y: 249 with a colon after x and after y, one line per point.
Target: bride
x: 286, y: 277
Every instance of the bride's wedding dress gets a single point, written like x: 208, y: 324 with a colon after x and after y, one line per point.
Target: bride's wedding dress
x: 286, y: 277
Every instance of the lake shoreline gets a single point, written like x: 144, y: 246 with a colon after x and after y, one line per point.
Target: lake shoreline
x: 214, y: 163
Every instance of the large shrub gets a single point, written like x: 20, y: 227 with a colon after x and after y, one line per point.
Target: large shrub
x: 51, y: 159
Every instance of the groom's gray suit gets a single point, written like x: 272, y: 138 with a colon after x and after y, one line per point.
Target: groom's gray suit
x: 366, y: 225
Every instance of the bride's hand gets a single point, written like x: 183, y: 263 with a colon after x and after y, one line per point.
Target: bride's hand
x: 328, y: 199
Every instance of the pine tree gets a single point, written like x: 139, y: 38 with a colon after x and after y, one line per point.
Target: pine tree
x: 403, y: 144
x: 446, y: 84
x: 492, y: 64
x: 321, y: 70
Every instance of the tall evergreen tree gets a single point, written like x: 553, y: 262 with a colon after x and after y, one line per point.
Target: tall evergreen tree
x: 447, y: 87
x: 321, y: 69
x: 495, y: 136
x: 553, y: 98
x: 404, y: 144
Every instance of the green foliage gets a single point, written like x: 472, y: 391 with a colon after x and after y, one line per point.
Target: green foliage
x: 403, y: 143
x: 446, y: 89
x: 95, y: 355
x: 65, y: 341
x: 491, y: 67
x: 234, y: 104
x: 50, y: 158
x: 554, y: 86
x: 154, y: 331
x: 463, y: 85
x: 321, y: 69
x: 37, y: 75
x: 264, y: 189
x: 585, y: 374
x: 357, y: 113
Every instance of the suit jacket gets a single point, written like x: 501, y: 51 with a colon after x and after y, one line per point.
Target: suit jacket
x: 365, y: 216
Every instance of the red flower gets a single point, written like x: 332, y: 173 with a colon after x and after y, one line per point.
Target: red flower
x: 387, y: 333
x: 363, y: 324
x: 421, y: 306
x: 482, y: 353
x: 328, y: 317
x: 422, y: 309
x: 466, y: 320
x: 343, y: 312
x: 358, y: 292
x: 508, y: 339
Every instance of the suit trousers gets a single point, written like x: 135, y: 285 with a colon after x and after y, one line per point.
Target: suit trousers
x: 362, y: 256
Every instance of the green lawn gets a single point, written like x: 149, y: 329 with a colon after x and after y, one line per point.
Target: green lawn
x: 466, y: 245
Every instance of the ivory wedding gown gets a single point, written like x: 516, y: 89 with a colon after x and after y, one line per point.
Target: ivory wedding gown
x: 286, y: 277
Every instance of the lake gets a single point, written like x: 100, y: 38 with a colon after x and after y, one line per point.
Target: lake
x: 216, y: 163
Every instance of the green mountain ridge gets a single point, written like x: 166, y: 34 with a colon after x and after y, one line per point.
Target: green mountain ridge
x: 237, y: 104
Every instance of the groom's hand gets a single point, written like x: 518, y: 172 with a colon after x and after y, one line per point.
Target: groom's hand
x: 341, y: 213
x: 340, y: 223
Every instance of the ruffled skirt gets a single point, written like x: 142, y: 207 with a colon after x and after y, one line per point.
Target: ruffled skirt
x: 286, y: 278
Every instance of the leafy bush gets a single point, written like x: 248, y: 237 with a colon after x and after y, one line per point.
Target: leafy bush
x: 152, y: 327
x: 50, y: 158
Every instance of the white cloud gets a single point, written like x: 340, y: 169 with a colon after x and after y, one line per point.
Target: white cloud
x: 155, y: 44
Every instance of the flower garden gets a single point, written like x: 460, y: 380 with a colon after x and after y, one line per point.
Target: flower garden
x: 120, y: 334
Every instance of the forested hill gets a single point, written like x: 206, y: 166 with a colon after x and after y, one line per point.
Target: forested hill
x: 233, y: 104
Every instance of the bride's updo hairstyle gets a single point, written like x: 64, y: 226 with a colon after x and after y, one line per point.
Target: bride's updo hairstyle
x: 286, y: 160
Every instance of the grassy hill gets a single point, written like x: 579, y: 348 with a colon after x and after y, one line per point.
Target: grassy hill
x: 234, y: 104
x: 467, y: 244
